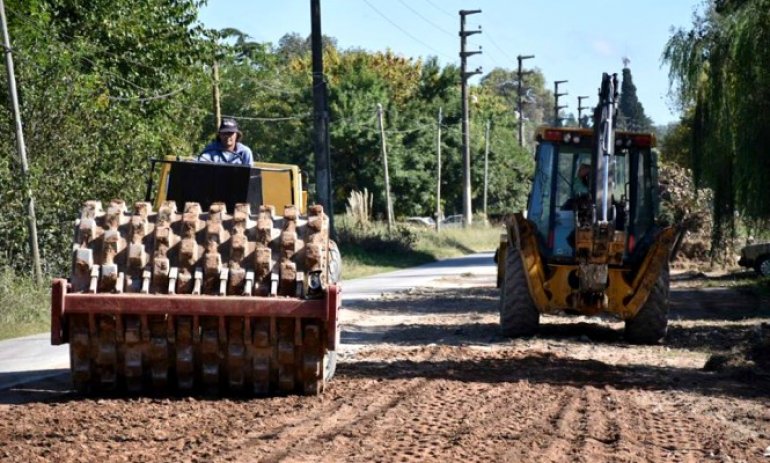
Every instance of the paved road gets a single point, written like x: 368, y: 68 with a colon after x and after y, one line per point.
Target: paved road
x: 32, y: 357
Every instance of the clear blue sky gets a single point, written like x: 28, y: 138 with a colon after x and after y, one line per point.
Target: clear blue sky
x: 575, y: 40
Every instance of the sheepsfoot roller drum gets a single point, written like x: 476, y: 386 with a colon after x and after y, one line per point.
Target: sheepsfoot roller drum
x: 192, y: 301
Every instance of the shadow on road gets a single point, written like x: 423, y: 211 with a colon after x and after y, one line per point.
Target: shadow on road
x: 547, y: 368
x: 708, y: 339
x: 34, y: 386
x: 710, y: 320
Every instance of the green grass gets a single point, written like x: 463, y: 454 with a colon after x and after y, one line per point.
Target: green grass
x: 24, y: 306
x: 371, y: 251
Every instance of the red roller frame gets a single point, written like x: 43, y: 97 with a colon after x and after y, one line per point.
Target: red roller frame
x: 64, y: 303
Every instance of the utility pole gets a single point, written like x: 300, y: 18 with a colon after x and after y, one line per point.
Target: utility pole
x: 556, y: 107
x: 32, y: 220
x: 464, y: 75
x: 486, y: 167
x: 520, y: 74
x: 580, y: 109
x: 215, y: 96
x: 438, y: 173
x: 388, y: 203
x: 323, y: 177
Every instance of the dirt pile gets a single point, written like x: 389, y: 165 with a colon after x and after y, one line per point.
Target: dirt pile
x: 682, y: 203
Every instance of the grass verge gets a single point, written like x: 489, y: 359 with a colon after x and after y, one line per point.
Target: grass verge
x: 24, y: 306
x: 375, y: 250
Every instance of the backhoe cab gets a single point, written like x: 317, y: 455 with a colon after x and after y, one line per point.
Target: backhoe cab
x: 589, y: 242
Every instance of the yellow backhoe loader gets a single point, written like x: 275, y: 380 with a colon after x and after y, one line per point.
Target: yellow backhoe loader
x: 589, y: 241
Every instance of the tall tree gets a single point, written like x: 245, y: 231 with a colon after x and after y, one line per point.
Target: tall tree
x: 631, y: 112
x: 719, y: 68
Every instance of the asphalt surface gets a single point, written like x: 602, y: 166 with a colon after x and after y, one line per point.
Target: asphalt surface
x: 33, y: 357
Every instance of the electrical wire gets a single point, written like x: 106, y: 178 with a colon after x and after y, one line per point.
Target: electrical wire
x: 440, y: 9
x: 494, y: 44
x: 269, y: 119
x: 150, y: 98
x: 426, y: 19
x: 394, y: 24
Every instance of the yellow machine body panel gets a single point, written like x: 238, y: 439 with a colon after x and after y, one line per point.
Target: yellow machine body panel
x: 551, y: 285
x: 281, y: 184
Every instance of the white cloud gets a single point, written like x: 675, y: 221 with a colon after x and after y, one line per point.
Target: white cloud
x: 603, y: 47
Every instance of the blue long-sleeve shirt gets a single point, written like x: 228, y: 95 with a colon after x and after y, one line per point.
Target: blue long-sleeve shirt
x: 216, y: 152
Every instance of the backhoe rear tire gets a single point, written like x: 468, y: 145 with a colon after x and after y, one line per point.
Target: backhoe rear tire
x: 651, y: 322
x: 519, y: 316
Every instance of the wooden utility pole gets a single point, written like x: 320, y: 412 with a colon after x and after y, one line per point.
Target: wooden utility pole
x: 556, y: 106
x: 464, y: 75
x: 438, y: 173
x: 486, y: 167
x: 32, y: 220
x: 580, y: 110
x: 322, y: 156
x: 520, y: 76
x: 215, y: 95
x: 388, y: 203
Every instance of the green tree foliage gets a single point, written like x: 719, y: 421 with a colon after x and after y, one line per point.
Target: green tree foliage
x: 102, y: 87
x: 537, y: 100
x: 107, y: 84
x: 675, y: 144
x: 631, y: 112
x: 719, y: 69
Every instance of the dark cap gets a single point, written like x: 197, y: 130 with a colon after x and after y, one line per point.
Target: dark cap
x: 229, y: 126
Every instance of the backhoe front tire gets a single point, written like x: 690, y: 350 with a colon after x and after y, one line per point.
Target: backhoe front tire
x: 651, y: 322
x: 519, y: 316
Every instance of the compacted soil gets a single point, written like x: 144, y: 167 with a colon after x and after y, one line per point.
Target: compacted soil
x: 425, y: 376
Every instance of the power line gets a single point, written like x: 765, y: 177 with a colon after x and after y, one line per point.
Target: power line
x: 500, y: 49
x: 441, y: 9
x: 149, y: 98
x: 269, y: 119
x: 405, y: 31
x: 417, y: 13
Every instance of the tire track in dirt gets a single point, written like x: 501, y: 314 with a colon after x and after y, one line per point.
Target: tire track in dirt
x: 425, y: 422
x: 434, y: 424
x: 307, y: 433
x: 568, y: 428
x: 659, y: 432
x: 602, y: 430
x: 572, y: 424
x: 522, y: 412
x: 443, y: 420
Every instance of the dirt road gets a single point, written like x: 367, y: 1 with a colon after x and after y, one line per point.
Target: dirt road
x: 425, y: 377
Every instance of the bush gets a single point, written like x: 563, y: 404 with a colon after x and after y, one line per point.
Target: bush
x: 23, y: 305
x: 377, y: 239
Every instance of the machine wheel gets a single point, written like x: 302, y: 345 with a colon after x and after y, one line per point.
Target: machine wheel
x: 518, y: 314
x: 763, y: 266
x: 650, y: 324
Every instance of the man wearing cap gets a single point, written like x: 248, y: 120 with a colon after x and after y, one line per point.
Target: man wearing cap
x: 227, y: 147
